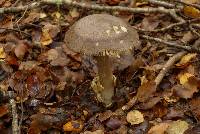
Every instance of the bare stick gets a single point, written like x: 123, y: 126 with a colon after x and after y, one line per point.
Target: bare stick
x: 171, y: 44
x: 170, y: 26
x: 194, y: 31
x: 172, y: 60
x: 162, y: 3
x: 16, y: 30
x: 15, y: 127
x: 130, y: 104
x: 171, y: 12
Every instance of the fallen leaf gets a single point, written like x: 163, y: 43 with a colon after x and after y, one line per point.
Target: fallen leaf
x: 159, y: 128
x: 113, y: 123
x: 146, y: 90
x: 190, y: 1
x: 191, y: 12
x: 75, y: 126
x: 177, y: 127
x: 74, y: 13
x: 189, y: 85
x: 135, y: 117
x: 94, y: 132
x: 194, y: 107
x: 20, y: 50
x: 185, y: 60
x: 4, y: 109
x: 183, y: 92
x: 49, y: 31
x: 105, y: 115
x: 2, y: 53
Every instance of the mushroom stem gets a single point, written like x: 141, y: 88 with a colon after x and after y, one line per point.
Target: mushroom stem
x: 106, y: 78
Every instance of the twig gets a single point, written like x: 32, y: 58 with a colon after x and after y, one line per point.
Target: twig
x: 171, y: 12
x: 172, y: 60
x: 130, y: 104
x: 161, y: 3
x: 171, y: 44
x: 16, y: 30
x: 20, y: 8
x: 15, y: 127
x: 194, y: 31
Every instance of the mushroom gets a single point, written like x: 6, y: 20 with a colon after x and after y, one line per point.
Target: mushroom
x: 102, y: 36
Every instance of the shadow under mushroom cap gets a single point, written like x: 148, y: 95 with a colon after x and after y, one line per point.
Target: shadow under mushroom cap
x: 101, y: 34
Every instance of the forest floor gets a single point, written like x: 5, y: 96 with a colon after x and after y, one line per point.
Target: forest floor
x: 46, y: 88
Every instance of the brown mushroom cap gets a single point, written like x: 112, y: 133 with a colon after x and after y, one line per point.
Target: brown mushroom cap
x: 101, y: 34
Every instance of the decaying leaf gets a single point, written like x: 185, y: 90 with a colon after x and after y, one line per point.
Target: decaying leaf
x: 94, y: 132
x: 191, y: 12
x: 2, y: 53
x: 75, y: 126
x: 49, y: 31
x: 177, y: 127
x: 20, y: 50
x: 4, y: 109
x: 159, y: 128
x: 194, y: 107
x: 185, y: 60
x: 135, y: 117
x: 189, y: 85
x: 146, y: 90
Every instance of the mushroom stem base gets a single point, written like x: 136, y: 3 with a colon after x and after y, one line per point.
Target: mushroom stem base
x: 106, y: 79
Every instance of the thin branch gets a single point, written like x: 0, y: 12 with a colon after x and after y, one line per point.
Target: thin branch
x: 172, y: 60
x: 16, y: 30
x: 194, y: 31
x: 162, y: 3
x: 20, y: 8
x: 171, y: 12
x: 171, y: 44
x: 130, y: 104
x: 15, y: 127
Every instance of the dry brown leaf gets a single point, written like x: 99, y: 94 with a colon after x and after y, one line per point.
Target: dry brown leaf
x: 150, y: 23
x: 177, y: 127
x: 94, y: 132
x: 189, y: 85
x: 190, y: 1
x: 194, y: 107
x: 146, y: 90
x: 135, y: 117
x: 187, y: 37
x: 49, y: 31
x: 2, y: 53
x: 4, y: 109
x: 183, y: 92
x: 158, y: 129
x: 20, y: 50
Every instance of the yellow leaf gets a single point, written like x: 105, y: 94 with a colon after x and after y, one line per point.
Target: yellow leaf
x: 2, y: 53
x: 186, y: 59
x: 183, y: 78
x: 191, y: 12
x: 135, y: 117
x: 46, y: 38
x: 75, y: 126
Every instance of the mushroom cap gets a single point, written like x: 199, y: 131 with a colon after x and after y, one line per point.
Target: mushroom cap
x: 101, y: 34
